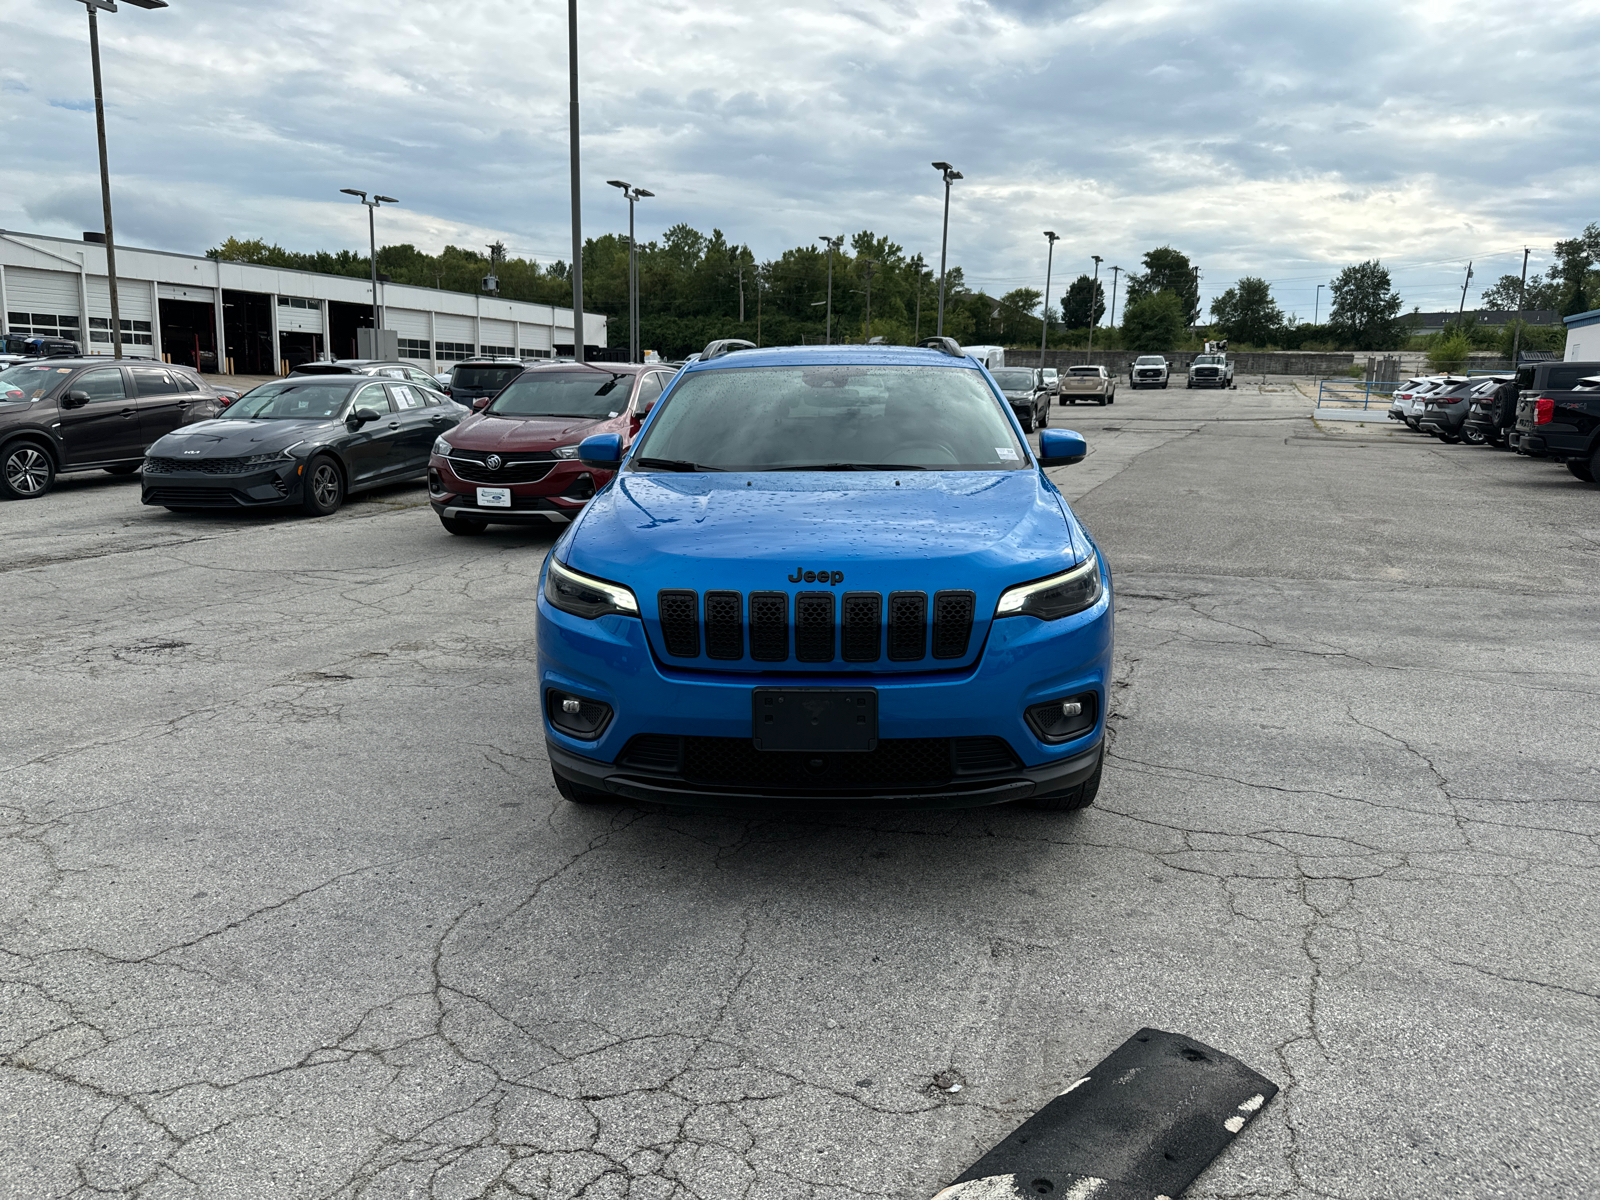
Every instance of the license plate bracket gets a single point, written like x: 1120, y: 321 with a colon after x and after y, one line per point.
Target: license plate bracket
x: 494, y: 497
x: 814, y: 719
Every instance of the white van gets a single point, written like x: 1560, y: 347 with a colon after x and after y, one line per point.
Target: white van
x: 989, y: 356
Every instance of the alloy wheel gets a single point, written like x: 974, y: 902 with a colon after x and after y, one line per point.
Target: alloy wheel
x: 325, y: 484
x: 27, y: 471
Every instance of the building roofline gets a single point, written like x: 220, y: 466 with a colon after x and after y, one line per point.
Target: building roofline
x: 1583, y: 318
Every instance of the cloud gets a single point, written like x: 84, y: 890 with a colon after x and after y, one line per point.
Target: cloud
x: 1284, y: 141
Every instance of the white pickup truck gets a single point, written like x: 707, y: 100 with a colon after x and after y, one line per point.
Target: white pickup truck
x: 1210, y: 370
x: 1148, y: 370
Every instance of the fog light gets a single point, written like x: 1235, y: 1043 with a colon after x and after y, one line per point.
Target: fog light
x: 1063, y: 720
x: 577, y: 716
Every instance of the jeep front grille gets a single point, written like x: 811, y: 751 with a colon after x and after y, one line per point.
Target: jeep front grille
x: 857, y: 627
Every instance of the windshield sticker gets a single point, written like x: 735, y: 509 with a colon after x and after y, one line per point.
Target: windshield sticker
x: 1006, y: 453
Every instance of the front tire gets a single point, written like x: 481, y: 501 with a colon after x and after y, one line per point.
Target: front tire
x: 1070, y: 799
x: 324, y: 487
x: 463, y: 526
x: 1044, y: 416
x: 26, y: 471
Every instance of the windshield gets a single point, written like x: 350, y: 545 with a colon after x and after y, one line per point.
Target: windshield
x: 309, y: 399
x: 487, y: 379
x: 28, y: 381
x: 594, y: 394
x: 1013, y: 379
x: 1209, y: 360
x: 1150, y: 360
x: 798, y: 418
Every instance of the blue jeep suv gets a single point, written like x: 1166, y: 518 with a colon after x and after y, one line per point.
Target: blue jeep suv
x: 832, y: 577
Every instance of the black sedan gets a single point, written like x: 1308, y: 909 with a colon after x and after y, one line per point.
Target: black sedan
x: 309, y: 441
x: 1027, y: 393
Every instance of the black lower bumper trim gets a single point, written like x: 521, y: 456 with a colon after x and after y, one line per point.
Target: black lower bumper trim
x: 1017, y: 783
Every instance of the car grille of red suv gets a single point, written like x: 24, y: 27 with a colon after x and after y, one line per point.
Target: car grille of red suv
x: 471, y: 467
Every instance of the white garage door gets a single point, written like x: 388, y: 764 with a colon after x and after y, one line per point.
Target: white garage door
x: 44, y: 303
x: 407, y: 322
x: 299, y: 315
x: 171, y: 291
x: 497, y: 337
x: 535, y: 337
x: 452, y: 328
x: 133, y: 303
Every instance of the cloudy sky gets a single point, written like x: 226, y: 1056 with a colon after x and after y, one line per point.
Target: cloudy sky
x: 1260, y: 138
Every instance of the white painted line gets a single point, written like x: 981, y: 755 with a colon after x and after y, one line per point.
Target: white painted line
x: 990, y: 1187
x: 1253, y: 1103
x: 1083, y: 1189
x: 1079, y: 1084
x: 1233, y: 1124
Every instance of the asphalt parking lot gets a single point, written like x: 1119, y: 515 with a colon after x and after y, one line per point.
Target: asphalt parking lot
x: 289, y: 906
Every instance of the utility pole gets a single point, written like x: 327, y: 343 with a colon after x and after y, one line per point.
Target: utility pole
x: 1316, y: 304
x: 577, y: 197
x: 1461, y: 310
x: 741, y: 293
x: 1115, y: 272
x: 869, y: 263
x: 916, y: 330
x: 950, y: 175
x: 833, y: 243
x: 1094, y: 291
x: 105, y: 177
x: 1522, y: 304
x: 1049, y: 261
x: 1196, y: 271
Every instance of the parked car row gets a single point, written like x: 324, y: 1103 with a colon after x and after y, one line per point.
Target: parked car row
x: 1544, y: 410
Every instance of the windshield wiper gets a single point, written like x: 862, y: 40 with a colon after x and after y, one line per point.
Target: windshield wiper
x: 847, y: 466
x: 672, y: 464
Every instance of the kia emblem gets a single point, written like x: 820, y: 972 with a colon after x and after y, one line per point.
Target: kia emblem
x: 492, y: 462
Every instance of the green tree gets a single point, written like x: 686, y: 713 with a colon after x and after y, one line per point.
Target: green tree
x: 1365, y: 311
x: 1081, y: 293
x: 1153, y: 324
x: 1449, y: 351
x: 1505, y: 295
x: 1168, y: 270
x: 1247, y: 313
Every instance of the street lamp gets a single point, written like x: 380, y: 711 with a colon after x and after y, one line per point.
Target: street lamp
x: 1049, y: 261
x: 633, y: 194
x: 1116, y: 273
x: 105, y: 170
x: 833, y: 243
x: 950, y: 175
x: 372, y: 238
x: 1316, y: 304
x: 1094, y: 289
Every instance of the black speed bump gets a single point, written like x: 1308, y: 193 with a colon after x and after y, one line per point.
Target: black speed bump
x: 1140, y: 1126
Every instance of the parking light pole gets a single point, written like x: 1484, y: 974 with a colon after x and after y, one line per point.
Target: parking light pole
x: 833, y: 243
x: 1316, y: 303
x: 950, y: 175
x: 633, y: 194
x: 1115, y: 273
x: 372, y: 239
x: 105, y: 170
x: 577, y: 198
x: 1094, y: 288
x: 1049, y: 261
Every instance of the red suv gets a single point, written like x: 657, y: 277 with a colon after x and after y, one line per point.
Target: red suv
x: 514, y: 461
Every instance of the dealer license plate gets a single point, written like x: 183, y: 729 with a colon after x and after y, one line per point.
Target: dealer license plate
x: 494, y: 497
x: 815, y: 718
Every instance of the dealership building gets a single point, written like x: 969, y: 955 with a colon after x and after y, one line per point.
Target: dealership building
x: 243, y: 319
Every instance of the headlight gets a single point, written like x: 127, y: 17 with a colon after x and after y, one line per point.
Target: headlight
x: 442, y: 447
x: 585, y: 596
x: 261, y: 460
x: 1058, y: 596
x: 566, y: 451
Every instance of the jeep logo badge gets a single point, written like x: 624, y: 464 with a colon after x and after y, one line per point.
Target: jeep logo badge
x: 493, y: 462
x: 801, y: 575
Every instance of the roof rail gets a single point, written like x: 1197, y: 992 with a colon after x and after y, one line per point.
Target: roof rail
x: 723, y: 346
x: 944, y: 345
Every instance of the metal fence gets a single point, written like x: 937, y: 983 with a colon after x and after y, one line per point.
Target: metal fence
x: 1355, y: 393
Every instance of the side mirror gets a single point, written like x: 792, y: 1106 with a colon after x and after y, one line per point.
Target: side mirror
x: 481, y: 403
x: 362, y: 415
x: 645, y: 406
x: 603, y: 450
x: 1061, y: 448
x: 75, y: 399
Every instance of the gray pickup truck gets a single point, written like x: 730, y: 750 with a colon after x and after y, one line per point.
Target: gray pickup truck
x: 1087, y: 383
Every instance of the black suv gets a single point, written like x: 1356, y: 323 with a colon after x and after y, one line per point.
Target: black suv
x: 1446, y: 412
x: 476, y: 378
x: 75, y: 414
x: 1563, y: 425
x: 1537, y: 379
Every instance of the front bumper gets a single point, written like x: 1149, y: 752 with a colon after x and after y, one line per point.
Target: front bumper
x: 539, y: 502
x: 1024, y: 661
x: 1216, y: 381
x: 263, y: 487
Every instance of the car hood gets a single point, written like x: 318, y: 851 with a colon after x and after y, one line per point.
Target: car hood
x: 855, y: 531
x: 485, y: 431
x: 233, y: 438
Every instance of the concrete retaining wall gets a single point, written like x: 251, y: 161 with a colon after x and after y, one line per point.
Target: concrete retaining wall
x: 1286, y: 362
